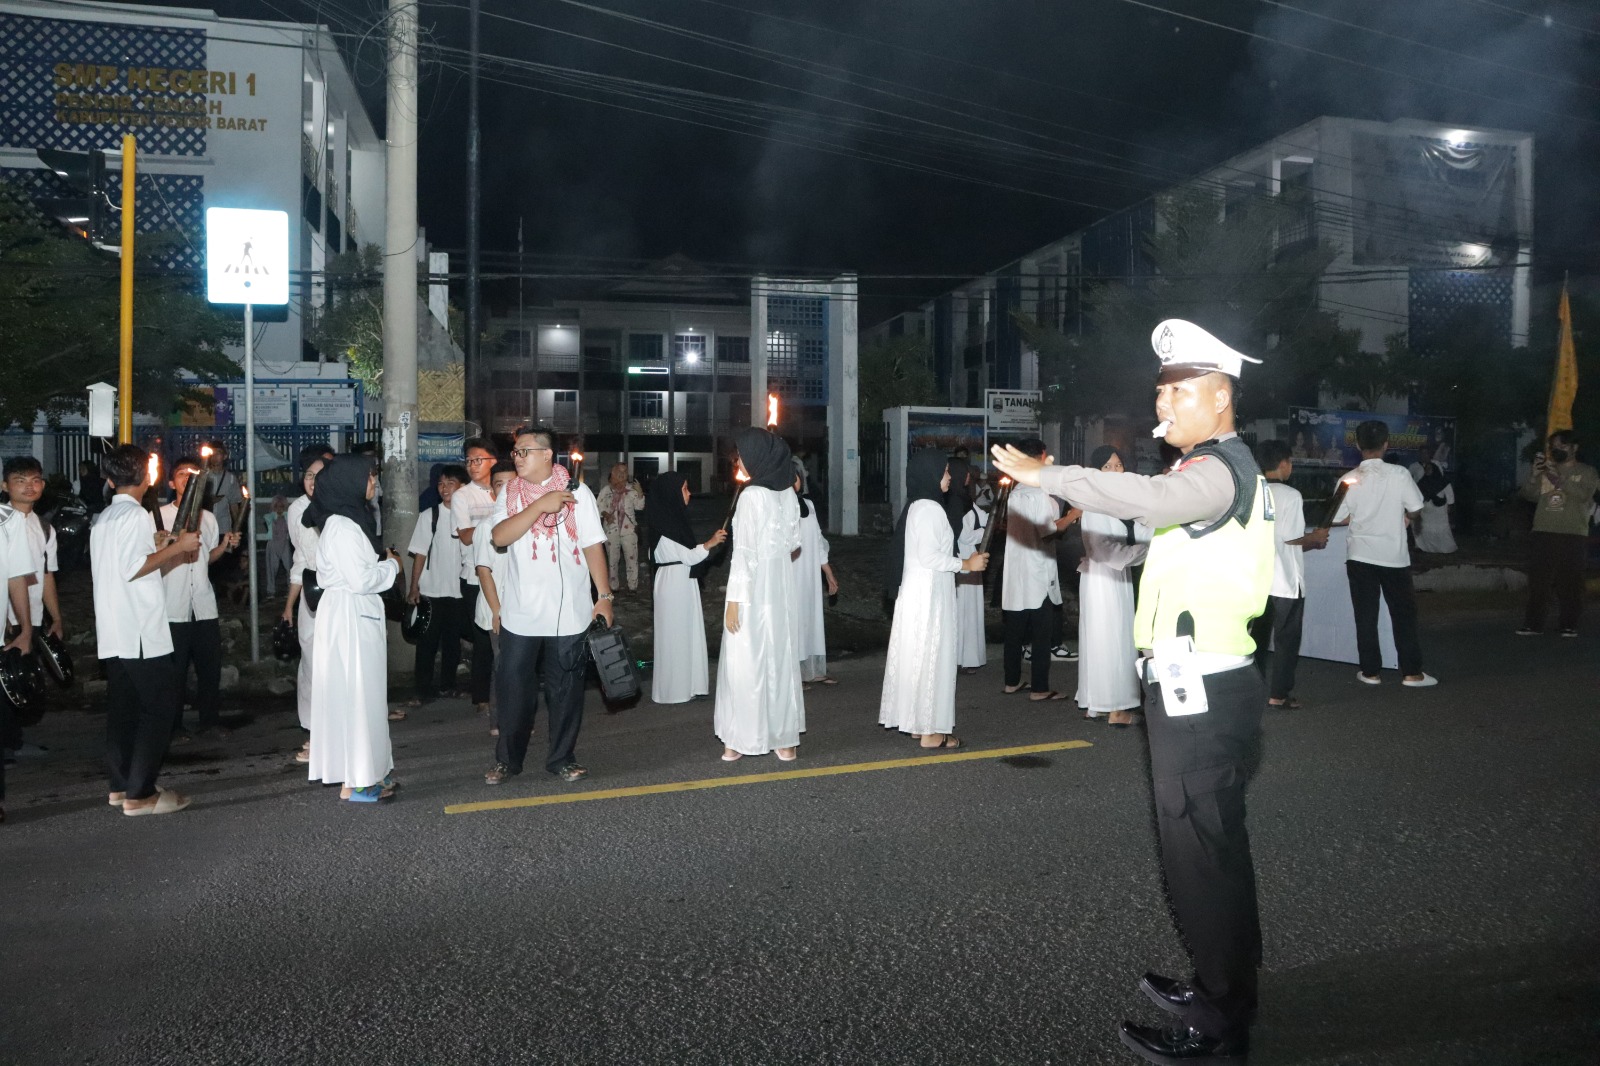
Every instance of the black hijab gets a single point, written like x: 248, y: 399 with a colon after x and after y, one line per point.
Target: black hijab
x: 1097, y: 460
x: 766, y: 458
x: 958, y: 501
x: 924, y: 472
x: 342, y: 490
x: 665, y: 513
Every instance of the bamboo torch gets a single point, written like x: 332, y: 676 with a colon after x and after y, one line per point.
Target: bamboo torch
x: 1337, y: 499
x: 743, y: 479
x: 576, y: 460
x: 998, y: 514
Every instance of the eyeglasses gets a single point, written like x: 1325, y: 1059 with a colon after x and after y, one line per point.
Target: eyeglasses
x: 523, y: 453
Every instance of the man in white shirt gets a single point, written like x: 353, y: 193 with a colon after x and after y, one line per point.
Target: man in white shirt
x: 16, y: 570
x: 471, y: 504
x: 192, y: 610
x: 134, y: 640
x: 227, y: 498
x: 1381, y: 501
x: 555, y: 547
x: 436, y: 573
x: 491, y: 563
x: 1030, y: 581
x: 1279, y: 627
x: 24, y: 483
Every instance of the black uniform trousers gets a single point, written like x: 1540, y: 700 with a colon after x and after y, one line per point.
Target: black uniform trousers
x: 442, y: 641
x: 482, y: 648
x: 1199, y: 768
x: 1367, y: 580
x: 198, y: 644
x: 555, y: 666
x: 140, y: 694
x: 1041, y: 625
x: 1278, y: 628
x: 1555, y: 559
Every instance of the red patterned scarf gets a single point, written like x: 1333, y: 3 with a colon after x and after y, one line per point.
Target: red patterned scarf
x: 520, y: 493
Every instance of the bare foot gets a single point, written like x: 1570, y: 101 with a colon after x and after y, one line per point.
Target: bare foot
x: 729, y: 755
x: 788, y: 754
x: 1121, y: 718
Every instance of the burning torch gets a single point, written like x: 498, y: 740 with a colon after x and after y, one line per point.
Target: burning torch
x: 997, y: 515
x: 187, y: 520
x: 575, y: 460
x: 772, y: 410
x: 1337, y: 499
x: 743, y: 479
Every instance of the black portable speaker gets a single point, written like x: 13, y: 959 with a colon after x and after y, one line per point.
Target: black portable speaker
x: 608, y: 647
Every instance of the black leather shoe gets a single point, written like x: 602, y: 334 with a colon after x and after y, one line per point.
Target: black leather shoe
x: 1171, y: 996
x: 1183, y: 1046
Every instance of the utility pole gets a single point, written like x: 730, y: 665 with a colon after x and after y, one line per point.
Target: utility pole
x: 400, y: 275
x: 476, y: 409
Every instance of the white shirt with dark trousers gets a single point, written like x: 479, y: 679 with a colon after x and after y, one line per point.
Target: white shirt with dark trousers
x: 135, y: 646
x: 1379, y: 561
x: 38, y: 539
x: 434, y: 537
x: 192, y: 616
x: 1279, y: 628
x: 546, y: 606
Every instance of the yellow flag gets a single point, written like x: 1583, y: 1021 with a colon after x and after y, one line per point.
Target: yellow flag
x: 1564, y: 389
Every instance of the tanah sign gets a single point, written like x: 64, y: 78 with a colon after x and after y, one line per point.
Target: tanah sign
x: 96, y: 94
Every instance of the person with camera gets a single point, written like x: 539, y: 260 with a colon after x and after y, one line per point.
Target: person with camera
x: 1563, y: 491
x: 555, y: 546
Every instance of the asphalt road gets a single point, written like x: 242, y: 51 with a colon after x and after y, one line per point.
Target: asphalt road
x: 1427, y: 866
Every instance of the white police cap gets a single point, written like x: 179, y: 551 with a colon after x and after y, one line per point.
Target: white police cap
x: 1187, y: 351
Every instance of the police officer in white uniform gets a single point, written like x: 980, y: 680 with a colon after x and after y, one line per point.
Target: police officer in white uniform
x: 1207, y: 576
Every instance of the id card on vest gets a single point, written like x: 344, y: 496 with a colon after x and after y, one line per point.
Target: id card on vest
x: 1183, y: 686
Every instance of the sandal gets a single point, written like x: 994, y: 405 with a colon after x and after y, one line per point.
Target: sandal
x: 396, y: 714
x: 1011, y: 689
x: 166, y: 803
x: 370, y: 794
x: 1044, y: 697
x: 824, y: 680
x: 949, y: 740
x: 1290, y: 704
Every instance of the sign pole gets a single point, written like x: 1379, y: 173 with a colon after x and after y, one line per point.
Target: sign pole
x: 250, y: 476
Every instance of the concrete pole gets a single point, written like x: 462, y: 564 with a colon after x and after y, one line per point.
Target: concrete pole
x: 844, y: 409
x: 250, y: 477
x: 400, y: 277
x: 476, y: 406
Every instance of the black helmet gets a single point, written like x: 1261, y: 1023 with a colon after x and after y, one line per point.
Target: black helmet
x: 285, y: 641
x: 54, y: 658
x: 417, y: 621
x: 19, y: 677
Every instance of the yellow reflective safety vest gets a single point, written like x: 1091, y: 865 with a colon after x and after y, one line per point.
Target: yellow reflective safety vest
x: 1211, y: 581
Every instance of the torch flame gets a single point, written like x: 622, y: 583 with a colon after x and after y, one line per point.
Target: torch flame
x: 1004, y: 482
x: 772, y: 409
x: 207, y: 451
x: 245, y: 491
x: 740, y: 476
x: 154, y: 468
x: 577, y: 457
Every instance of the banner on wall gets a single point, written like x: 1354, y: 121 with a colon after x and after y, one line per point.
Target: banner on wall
x: 1328, y: 438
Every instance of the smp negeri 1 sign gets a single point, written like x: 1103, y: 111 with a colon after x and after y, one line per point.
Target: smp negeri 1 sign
x: 247, y: 256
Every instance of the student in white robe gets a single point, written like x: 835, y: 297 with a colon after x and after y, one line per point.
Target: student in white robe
x: 759, y: 706
x: 350, y: 674
x: 1438, y: 497
x: 681, y: 672
x: 972, y: 642
x: 809, y: 593
x: 919, y: 678
x: 1107, y: 684
x: 297, y: 611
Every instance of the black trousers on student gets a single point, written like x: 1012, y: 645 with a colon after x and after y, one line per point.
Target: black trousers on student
x: 442, y: 641
x: 528, y: 666
x: 1555, y: 559
x: 198, y: 644
x: 1367, y: 580
x: 1041, y: 623
x: 140, y: 694
x: 1278, y: 628
x: 482, y: 649
x: 1199, y: 767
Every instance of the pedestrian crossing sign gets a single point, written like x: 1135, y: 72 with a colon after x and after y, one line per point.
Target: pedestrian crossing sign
x: 247, y: 256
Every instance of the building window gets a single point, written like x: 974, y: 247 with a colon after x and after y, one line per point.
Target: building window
x: 566, y: 396
x: 689, y: 349
x: 733, y: 349
x: 644, y: 348
x: 646, y: 405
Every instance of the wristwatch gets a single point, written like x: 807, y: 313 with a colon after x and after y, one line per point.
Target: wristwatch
x: 608, y: 596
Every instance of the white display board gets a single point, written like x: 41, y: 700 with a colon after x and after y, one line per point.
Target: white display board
x: 247, y: 256
x: 1012, y: 411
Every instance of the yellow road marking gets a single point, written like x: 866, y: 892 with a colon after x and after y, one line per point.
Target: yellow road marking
x: 758, y: 779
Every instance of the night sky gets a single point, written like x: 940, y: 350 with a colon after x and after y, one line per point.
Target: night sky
x: 1024, y: 118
